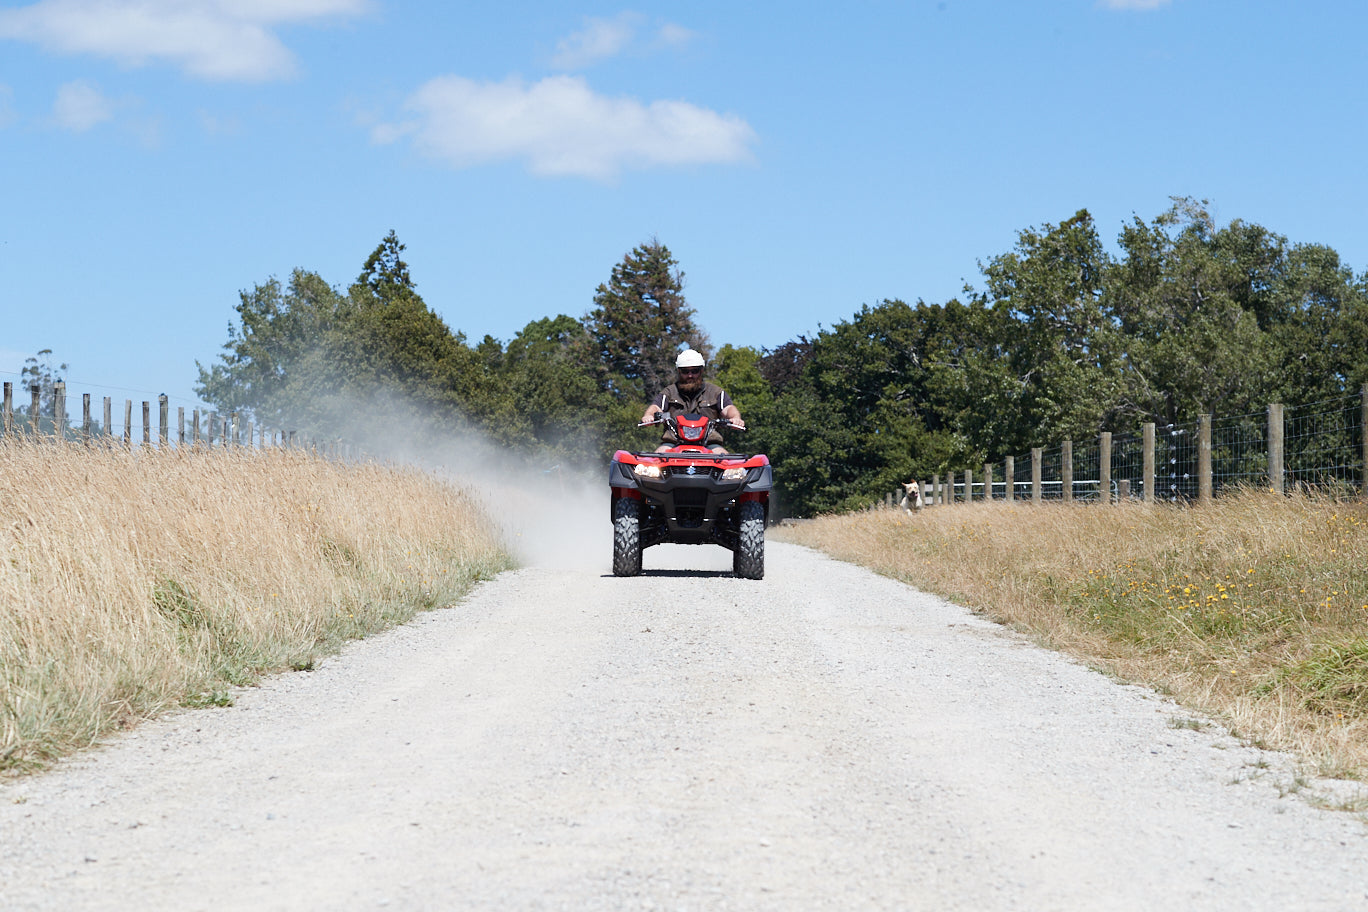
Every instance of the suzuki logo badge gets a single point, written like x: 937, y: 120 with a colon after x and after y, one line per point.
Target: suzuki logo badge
x: 692, y: 470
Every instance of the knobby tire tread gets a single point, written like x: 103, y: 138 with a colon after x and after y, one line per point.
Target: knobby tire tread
x: 626, y: 537
x: 748, y: 561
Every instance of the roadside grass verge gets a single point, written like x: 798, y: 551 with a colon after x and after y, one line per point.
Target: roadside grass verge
x: 1253, y: 608
x: 136, y: 581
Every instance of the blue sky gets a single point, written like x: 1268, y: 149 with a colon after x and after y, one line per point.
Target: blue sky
x: 799, y: 159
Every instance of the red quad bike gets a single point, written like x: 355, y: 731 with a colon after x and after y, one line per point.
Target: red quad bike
x: 690, y: 496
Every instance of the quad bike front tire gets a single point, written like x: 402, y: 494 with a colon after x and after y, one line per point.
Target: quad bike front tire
x: 748, y: 560
x: 626, y: 537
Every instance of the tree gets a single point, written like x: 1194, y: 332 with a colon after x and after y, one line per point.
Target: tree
x: 1050, y: 355
x: 1317, y: 327
x: 38, y: 370
x: 281, y: 355
x: 1189, y: 300
x: 737, y: 370
x: 385, y: 274
x: 784, y: 364
x: 857, y: 420
x: 559, y: 404
x: 640, y: 321
x: 308, y: 355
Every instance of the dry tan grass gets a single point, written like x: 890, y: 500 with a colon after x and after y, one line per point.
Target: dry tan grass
x: 1254, y: 607
x: 135, y: 581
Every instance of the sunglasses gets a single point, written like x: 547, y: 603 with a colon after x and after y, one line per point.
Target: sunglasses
x: 691, y: 370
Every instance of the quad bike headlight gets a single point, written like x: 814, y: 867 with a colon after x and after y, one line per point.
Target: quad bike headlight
x: 646, y: 471
x: 691, y: 433
x: 734, y: 474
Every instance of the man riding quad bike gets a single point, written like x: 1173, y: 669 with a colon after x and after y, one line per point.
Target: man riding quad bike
x: 690, y: 494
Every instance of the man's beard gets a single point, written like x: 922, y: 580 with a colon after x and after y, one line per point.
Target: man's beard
x: 689, y: 386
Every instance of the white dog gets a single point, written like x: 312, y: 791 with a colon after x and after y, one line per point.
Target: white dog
x: 912, y: 499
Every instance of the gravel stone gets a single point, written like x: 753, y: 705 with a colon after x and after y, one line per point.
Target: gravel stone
x: 564, y: 739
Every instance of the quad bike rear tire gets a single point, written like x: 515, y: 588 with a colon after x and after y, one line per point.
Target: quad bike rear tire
x: 748, y: 560
x: 626, y: 537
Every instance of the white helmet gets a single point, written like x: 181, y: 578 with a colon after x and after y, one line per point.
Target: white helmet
x: 689, y: 358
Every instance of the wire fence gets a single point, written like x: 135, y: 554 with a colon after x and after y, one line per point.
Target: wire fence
x: 1318, y: 446
x: 1322, y: 444
x: 47, y: 418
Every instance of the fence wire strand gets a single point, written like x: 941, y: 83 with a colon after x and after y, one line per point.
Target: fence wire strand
x: 1323, y: 447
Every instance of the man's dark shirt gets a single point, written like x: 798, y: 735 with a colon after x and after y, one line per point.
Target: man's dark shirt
x: 709, y: 400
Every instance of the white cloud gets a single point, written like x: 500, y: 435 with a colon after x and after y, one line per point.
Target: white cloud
x: 212, y: 39
x: 560, y: 127
x: 81, y: 106
x: 598, y: 40
x: 1133, y: 4
x: 601, y: 39
x: 674, y: 35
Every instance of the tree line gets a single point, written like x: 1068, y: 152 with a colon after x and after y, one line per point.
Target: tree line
x: 1063, y: 339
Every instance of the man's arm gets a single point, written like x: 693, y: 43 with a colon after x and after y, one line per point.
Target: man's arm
x: 655, y: 408
x: 733, y: 414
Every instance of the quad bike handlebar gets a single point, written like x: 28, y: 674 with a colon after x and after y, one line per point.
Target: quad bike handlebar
x: 662, y: 418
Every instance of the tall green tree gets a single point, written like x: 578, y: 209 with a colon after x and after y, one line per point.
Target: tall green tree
x: 1189, y: 300
x: 639, y: 322
x: 280, y: 354
x: 1318, y: 328
x: 308, y: 355
x: 1049, y: 352
x: 784, y: 364
x: 858, y: 419
x: 560, y: 406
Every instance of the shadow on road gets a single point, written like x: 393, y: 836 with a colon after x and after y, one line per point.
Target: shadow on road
x: 680, y: 573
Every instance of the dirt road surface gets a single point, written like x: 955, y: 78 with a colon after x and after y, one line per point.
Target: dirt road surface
x: 821, y: 739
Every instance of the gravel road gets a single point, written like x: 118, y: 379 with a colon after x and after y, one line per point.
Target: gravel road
x: 822, y: 739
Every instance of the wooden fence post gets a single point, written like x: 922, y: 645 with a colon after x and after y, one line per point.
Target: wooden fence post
x: 1363, y: 431
x: 213, y: 426
x: 1009, y: 464
x: 1275, y: 447
x: 988, y: 482
x: 163, y: 421
x: 59, y: 410
x: 1204, y: 459
x: 194, y: 428
x: 968, y: 486
x: 9, y: 409
x: 935, y: 490
x: 1147, y: 462
x: 147, y: 423
x: 1035, y: 474
x: 1104, y: 467
x: 85, y: 418
x: 128, y: 423
x: 108, y: 417
x: 180, y: 425
x: 35, y: 403
x: 1066, y: 470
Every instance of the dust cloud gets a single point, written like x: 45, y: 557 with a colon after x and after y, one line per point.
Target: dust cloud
x: 551, y: 514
